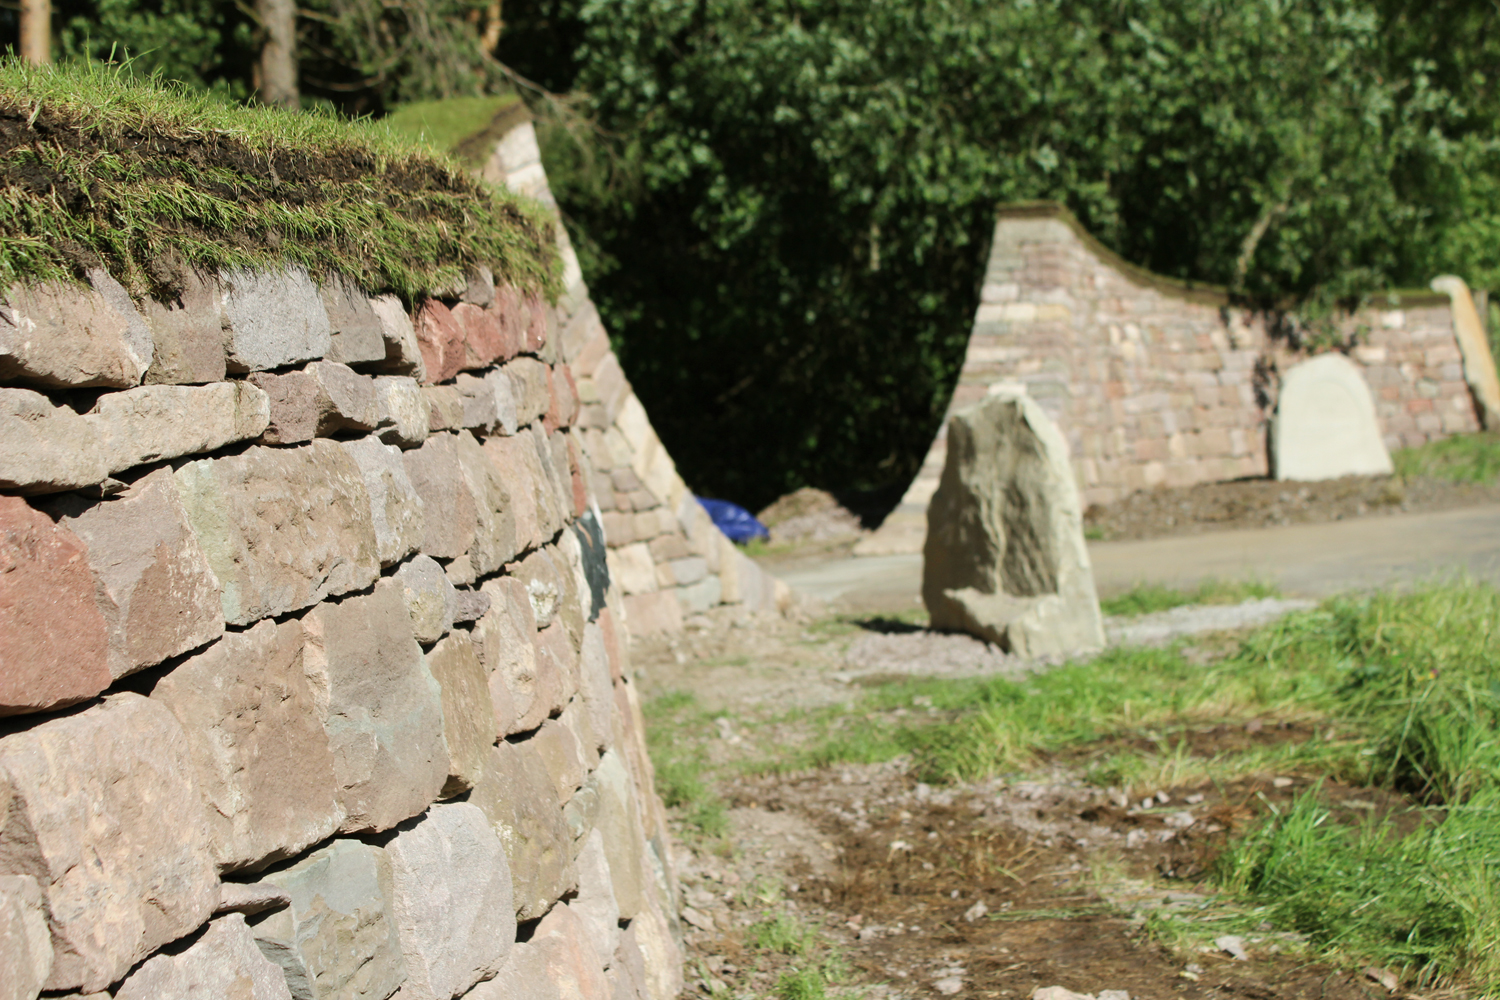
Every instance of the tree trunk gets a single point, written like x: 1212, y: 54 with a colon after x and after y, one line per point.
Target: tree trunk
x: 36, y: 31
x: 278, y: 53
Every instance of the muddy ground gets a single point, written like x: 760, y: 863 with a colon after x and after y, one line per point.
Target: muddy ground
x: 896, y: 889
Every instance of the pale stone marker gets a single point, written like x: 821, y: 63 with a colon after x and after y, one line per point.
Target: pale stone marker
x: 1325, y: 424
x: 1005, y: 558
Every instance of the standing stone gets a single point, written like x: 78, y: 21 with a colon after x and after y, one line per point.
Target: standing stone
x: 338, y: 939
x: 156, y: 422
x: 283, y: 528
x: 451, y: 517
x: 452, y: 900
x: 1325, y: 425
x: 517, y: 797
x: 62, y: 335
x: 222, y: 964
x: 356, y: 333
x: 102, y: 808
x: 385, y: 710
x: 187, y: 333
x: 505, y: 639
x: 468, y: 715
x: 46, y: 448
x: 255, y: 735
x: 403, y: 354
x: 54, y: 646
x: 1005, y: 558
x: 25, y: 944
x: 153, y: 584
x: 396, y: 511
x: 430, y: 598
x: 273, y: 319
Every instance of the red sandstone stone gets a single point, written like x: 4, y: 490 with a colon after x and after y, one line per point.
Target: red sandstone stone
x: 483, y: 336
x: 53, y: 642
x: 441, y: 341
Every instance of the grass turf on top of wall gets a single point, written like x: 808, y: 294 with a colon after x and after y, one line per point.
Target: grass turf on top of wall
x: 141, y: 177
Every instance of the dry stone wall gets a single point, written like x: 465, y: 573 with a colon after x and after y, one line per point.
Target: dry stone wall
x: 315, y: 615
x: 1156, y: 382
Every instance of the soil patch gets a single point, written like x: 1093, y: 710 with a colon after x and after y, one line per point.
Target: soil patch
x: 1261, y: 503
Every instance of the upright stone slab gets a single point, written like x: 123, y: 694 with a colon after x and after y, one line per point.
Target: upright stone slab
x: 222, y: 964
x: 257, y: 743
x: 273, y: 319
x: 385, y: 710
x: 54, y: 645
x: 102, y: 808
x: 1325, y: 424
x: 283, y: 528
x: 338, y: 939
x: 153, y: 584
x: 25, y: 944
x: 1005, y: 558
x: 452, y: 901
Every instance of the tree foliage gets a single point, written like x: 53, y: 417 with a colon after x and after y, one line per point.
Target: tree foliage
x: 784, y: 207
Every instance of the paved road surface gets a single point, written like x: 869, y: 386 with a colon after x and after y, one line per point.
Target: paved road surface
x: 1304, y: 560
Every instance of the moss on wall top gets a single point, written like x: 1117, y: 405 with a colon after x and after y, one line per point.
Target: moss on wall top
x: 143, y: 178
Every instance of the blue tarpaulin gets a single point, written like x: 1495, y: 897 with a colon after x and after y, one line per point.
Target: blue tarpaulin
x: 737, y: 523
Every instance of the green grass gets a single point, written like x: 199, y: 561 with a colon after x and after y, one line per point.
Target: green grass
x: 1463, y: 458
x: 782, y: 933
x: 454, y: 124
x: 1145, y: 598
x: 673, y: 719
x: 142, y: 177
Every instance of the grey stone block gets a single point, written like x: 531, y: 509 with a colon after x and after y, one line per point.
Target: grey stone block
x: 153, y: 583
x: 102, y: 808
x: 494, y: 542
x: 319, y: 401
x: 403, y: 355
x: 251, y: 898
x: 468, y: 715
x: 445, y: 406
x: 223, y: 963
x: 254, y: 728
x: 488, y: 405
x: 516, y: 794
x: 338, y: 938
x: 187, y: 334
x: 46, y: 448
x: 25, y: 944
x: 405, y: 417
x: 356, y: 333
x: 451, y: 519
x: 283, y: 528
x: 430, y: 598
x: 452, y: 900
x: 273, y: 319
x: 595, y: 902
x: 529, y: 388
x: 396, y: 510
x: 385, y: 710
x: 156, y: 422
x: 66, y: 336
x: 701, y: 596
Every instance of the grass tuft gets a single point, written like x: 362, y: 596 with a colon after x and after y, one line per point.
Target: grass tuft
x: 1463, y: 458
x: 1145, y: 598
x: 100, y: 168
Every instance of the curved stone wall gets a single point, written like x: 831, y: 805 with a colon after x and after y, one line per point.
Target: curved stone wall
x: 314, y: 627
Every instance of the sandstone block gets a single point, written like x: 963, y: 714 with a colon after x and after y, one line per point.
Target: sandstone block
x: 533, y: 504
x: 596, y: 903
x: 54, y: 645
x: 46, y: 448
x: 553, y: 586
x: 505, y: 639
x: 441, y: 341
x: 573, y: 961
x: 405, y: 417
x: 222, y: 964
x: 62, y: 335
x: 468, y: 714
x: 563, y: 756
x: 516, y: 795
x: 251, y: 898
x: 1005, y: 558
x: 338, y: 939
x: 494, y: 542
x: 385, y: 710
x: 651, y: 932
x: 522, y: 976
x: 396, y: 511
x: 452, y: 900
x: 451, y: 518
x: 484, y: 337
x: 595, y: 684
x: 529, y: 387
x: 153, y: 584
x: 562, y: 410
x: 319, y: 401
x: 187, y: 333
x: 556, y: 656
x: 1325, y: 424
x: 446, y: 407
x: 25, y: 944
x: 273, y: 319
x: 283, y: 528
x: 699, y: 597
x: 619, y: 823
x: 576, y: 719
x: 102, y: 808
x: 488, y: 407
x: 430, y: 599
x: 627, y: 972
x: 356, y: 333
x: 471, y: 606
x: 156, y: 422
x: 403, y: 353
x: 260, y: 755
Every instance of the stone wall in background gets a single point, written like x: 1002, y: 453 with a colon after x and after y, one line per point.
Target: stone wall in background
x: 1156, y: 382
x: 314, y: 643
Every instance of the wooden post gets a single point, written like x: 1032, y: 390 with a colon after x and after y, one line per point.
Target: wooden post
x: 36, y: 31
x: 278, y: 52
